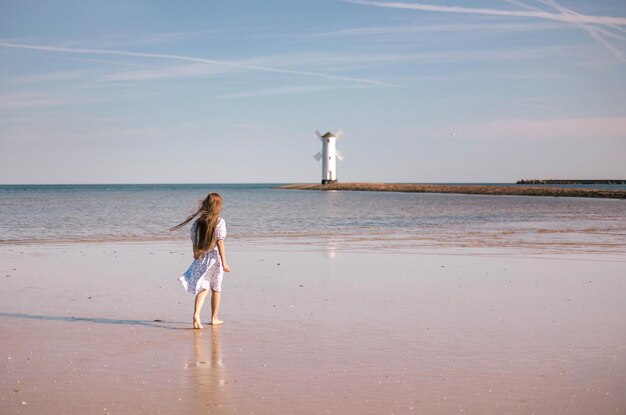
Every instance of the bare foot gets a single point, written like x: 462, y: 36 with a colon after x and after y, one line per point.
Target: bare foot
x: 197, y: 324
x: 216, y: 321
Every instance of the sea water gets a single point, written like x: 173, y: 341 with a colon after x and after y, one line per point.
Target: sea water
x: 263, y: 214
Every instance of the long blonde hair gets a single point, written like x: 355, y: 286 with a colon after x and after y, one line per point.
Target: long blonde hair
x: 205, y: 230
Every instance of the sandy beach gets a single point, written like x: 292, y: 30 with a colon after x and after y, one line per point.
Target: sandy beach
x: 423, y: 205
x: 105, y: 328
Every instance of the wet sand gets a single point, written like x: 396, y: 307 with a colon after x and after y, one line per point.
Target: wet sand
x: 515, y: 190
x: 105, y: 328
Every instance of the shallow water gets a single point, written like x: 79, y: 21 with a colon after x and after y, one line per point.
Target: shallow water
x: 260, y: 214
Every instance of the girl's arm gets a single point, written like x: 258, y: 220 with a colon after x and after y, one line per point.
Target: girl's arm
x: 222, y: 251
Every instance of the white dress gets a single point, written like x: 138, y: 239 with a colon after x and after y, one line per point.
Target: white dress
x: 207, y: 271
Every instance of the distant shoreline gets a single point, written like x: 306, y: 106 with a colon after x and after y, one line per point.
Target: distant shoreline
x: 512, y: 190
x: 568, y: 181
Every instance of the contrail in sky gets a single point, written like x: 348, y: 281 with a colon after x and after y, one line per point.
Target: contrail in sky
x: 564, y: 15
x: 569, y: 18
x: 190, y: 59
x: 594, y: 32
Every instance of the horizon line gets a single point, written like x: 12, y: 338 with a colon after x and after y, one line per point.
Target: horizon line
x: 287, y: 183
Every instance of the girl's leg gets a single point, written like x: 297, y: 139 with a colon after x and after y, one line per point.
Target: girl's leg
x: 215, y: 307
x: 197, y: 308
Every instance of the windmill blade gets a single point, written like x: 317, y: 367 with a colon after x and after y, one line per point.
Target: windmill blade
x: 318, y: 156
x: 318, y: 135
x: 339, y: 133
x: 340, y: 155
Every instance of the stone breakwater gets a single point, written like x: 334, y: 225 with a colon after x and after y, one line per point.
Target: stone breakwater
x: 516, y: 190
x: 555, y: 181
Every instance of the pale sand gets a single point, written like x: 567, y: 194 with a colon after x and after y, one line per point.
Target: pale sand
x: 323, y: 332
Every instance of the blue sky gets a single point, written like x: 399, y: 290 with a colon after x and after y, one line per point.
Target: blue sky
x: 205, y: 91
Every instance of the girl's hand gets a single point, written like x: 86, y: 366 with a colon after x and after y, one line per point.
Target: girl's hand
x: 226, y: 268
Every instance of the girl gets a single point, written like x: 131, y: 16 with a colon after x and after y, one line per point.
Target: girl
x: 207, y: 269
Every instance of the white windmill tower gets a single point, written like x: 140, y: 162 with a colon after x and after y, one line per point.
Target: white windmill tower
x: 328, y: 155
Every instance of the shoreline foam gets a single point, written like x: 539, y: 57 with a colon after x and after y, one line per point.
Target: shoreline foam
x: 514, y: 190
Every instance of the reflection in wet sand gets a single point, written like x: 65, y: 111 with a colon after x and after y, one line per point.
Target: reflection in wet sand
x: 208, y: 376
x: 330, y: 249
